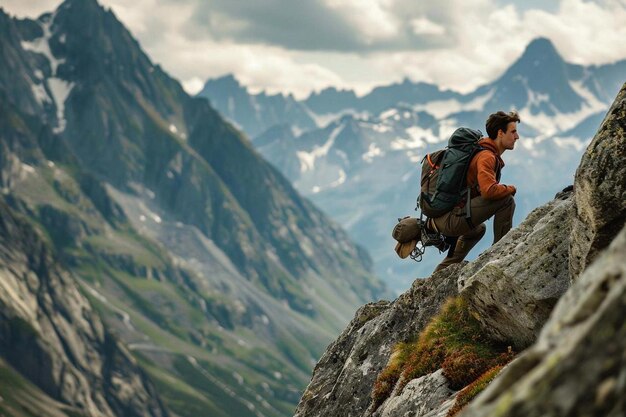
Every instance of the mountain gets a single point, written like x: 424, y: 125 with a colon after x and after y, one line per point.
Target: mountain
x: 173, y: 236
x: 533, y: 327
x: 254, y: 113
x: 331, y: 100
x: 538, y: 81
x: 367, y: 154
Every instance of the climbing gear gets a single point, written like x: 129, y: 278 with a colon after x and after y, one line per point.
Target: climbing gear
x: 414, y: 236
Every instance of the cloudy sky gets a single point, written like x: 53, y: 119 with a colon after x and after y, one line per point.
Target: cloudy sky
x: 299, y: 46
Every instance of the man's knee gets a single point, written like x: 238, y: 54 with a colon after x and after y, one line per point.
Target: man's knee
x: 508, y: 203
x: 477, y: 232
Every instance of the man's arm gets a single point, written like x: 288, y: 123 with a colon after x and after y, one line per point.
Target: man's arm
x: 489, y: 187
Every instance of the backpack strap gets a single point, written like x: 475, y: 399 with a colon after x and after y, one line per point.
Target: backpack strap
x: 430, y: 162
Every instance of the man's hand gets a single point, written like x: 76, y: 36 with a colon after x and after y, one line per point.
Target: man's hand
x: 513, y: 187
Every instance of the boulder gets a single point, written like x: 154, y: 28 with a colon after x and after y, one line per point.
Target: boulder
x: 513, y: 286
x: 600, y: 198
x: 420, y: 397
x: 578, y: 365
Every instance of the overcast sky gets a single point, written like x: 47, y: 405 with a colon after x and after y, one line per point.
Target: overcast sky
x: 299, y: 46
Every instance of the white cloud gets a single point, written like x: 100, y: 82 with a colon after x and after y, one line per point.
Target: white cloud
x: 424, y: 26
x: 372, y: 18
x: 30, y: 8
x: 477, y: 41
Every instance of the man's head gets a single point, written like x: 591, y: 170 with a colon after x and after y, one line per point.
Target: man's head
x: 502, y: 128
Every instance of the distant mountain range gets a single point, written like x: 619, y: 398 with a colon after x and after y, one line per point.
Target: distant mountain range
x: 153, y: 263
x: 360, y: 164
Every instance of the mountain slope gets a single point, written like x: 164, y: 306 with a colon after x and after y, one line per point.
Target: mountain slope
x: 222, y: 280
x: 51, y: 336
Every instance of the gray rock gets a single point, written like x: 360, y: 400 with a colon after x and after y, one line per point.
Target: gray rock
x: 600, y: 197
x: 514, y: 285
x: 420, y: 397
x: 343, y: 378
x: 578, y: 365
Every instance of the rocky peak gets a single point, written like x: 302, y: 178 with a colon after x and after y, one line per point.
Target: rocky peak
x: 539, y: 81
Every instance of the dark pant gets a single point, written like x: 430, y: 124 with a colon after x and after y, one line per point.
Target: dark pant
x: 455, y: 223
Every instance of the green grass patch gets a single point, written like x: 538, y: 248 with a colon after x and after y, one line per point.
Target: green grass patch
x: 473, y: 389
x: 453, y: 341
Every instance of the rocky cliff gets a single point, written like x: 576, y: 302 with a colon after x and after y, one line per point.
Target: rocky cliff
x: 551, y: 292
x: 50, y: 334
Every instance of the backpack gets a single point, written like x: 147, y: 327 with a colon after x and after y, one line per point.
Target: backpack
x: 444, y: 173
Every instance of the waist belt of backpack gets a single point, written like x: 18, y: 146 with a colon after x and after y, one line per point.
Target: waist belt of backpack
x: 468, y: 208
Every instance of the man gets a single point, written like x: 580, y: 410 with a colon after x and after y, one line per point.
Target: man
x: 488, y: 197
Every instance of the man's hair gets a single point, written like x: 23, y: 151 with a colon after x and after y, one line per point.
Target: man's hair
x: 500, y: 120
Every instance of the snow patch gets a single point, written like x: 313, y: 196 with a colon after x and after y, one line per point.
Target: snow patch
x: 39, y: 91
x: 444, y: 108
x: 381, y: 128
x: 342, y: 178
x: 372, y: 152
x: 60, y: 90
x: 388, y: 114
x: 42, y: 46
x: 551, y: 125
x: 307, y: 159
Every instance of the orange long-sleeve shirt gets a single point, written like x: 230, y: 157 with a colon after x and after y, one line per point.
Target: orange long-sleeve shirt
x: 482, y: 172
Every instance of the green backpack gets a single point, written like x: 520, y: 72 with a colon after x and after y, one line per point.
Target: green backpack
x: 444, y: 173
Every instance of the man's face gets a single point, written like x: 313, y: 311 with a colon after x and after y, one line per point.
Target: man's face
x: 509, y: 137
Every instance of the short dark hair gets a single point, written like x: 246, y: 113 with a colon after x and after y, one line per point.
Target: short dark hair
x: 500, y: 120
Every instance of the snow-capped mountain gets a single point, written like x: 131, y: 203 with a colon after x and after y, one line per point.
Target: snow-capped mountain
x: 362, y: 166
